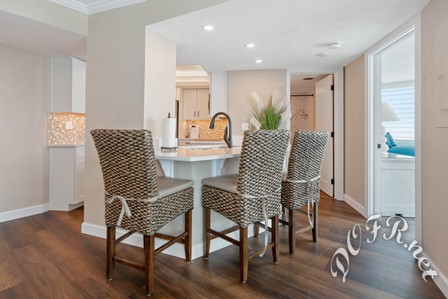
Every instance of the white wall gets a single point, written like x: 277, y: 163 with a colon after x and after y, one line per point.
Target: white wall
x: 23, y: 126
x: 240, y: 86
x: 160, y: 66
x: 218, y: 92
x: 301, y: 122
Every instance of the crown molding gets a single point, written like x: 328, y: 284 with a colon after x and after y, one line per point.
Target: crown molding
x: 191, y: 73
x: 72, y: 4
x: 97, y: 6
x: 103, y: 5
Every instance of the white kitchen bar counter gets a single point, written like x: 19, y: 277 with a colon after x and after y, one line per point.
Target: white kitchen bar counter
x: 196, y: 164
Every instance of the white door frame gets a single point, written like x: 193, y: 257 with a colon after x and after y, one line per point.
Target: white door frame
x: 338, y: 127
x: 370, y: 115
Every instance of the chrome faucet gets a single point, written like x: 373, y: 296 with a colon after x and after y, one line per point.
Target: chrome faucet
x: 227, y: 130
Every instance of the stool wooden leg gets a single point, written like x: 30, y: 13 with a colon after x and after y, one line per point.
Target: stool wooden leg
x: 110, y: 253
x: 256, y: 230
x: 315, y: 212
x: 291, y: 232
x: 149, y: 263
x: 188, y: 237
x: 275, y: 249
x: 283, y: 215
x: 244, y: 257
x: 207, y: 232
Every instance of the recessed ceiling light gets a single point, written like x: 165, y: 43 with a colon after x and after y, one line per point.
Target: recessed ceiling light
x: 323, y: 54
x: 258, y: 61
x: 335, y: 46
x: 250, y: 45
x: 208, y: 27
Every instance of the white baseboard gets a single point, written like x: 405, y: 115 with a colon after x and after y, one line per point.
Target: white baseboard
x: 355, y: 205
x: 25, y: 212
x: 441, y: 280
x: 177, y: 249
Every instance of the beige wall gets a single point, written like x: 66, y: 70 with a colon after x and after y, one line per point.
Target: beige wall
x: 23, y: 124
x: 47, y: 12
x: 116, y: 79
x: 354, y: 146
x: 240, y: 86
x: 434, y: 138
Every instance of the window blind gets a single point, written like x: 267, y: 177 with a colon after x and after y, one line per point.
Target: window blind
x: 402, y: 102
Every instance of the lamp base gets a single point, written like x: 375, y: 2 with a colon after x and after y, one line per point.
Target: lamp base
x: 384, y: 146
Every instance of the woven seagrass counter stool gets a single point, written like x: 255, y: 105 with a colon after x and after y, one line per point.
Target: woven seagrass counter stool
x: 252, y: 195
x: 137, y: 200
x: 301, y: 185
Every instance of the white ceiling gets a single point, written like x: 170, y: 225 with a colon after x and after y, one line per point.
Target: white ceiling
x: 287, y: 33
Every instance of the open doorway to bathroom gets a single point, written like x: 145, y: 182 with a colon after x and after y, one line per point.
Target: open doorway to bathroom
x: 311, y: 107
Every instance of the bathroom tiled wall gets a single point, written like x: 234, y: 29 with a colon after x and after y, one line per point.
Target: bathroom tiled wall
x: 204, y: 131
x: 60, y: 134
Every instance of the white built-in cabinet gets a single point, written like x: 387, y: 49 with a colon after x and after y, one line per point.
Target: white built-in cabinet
x: 68, y: 85
x: 398, y: 186
x: 196, y: 103
x: 66, y: 171
x: 66, y: 177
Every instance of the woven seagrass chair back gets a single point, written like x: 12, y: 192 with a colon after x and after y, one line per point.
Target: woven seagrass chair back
x: 128, y: 162
x: 307, y: 154
x: 261, y: 162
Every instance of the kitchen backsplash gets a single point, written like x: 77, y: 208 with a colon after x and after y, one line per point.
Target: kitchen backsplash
x: 204, y: 131
x: 66, y: 128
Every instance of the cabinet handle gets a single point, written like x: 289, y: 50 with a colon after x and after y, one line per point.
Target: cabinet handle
x: 195, y: 113
x: 198, y: 113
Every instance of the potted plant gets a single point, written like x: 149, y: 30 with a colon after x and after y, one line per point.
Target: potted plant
x: 269, y: 116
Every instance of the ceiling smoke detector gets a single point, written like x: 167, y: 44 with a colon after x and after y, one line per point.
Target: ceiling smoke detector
x: 334, y: 46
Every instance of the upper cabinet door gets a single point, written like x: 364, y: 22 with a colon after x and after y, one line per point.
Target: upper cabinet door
x: 189, y: 103
x: 78, y: 86
x: 203, y: 107
x: 68, y: 85
x: 196, y: 103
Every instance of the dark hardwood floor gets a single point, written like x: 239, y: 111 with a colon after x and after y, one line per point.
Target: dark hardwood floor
x: 46, y: 256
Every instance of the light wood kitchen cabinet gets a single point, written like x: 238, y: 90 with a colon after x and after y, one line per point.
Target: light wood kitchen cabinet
x: 67, y: 165
x: 196, y: 103
x: 68, y: 85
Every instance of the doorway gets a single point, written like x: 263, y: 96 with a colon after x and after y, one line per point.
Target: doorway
x: 393, y: 127
x: 395, y: 85
x: 312, y: 109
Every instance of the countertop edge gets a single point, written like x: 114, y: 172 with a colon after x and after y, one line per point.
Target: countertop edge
x: 66, y: 145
